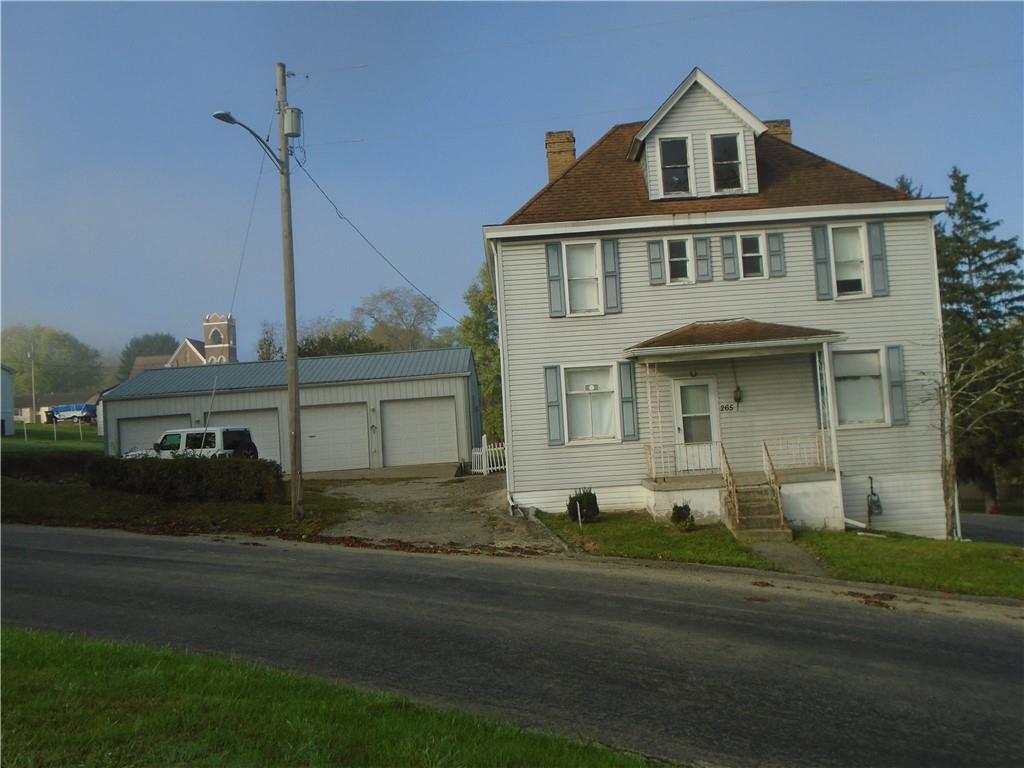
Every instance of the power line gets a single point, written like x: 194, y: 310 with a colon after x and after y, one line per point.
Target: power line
x: 375, y: 249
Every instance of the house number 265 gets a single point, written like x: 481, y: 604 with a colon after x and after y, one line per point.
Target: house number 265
x: 727, y: 407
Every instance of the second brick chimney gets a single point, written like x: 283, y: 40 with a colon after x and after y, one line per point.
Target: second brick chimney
x: 780, y: 129
x: 561, y: 148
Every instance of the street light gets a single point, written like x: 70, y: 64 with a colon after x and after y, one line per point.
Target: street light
x: 288, y: 259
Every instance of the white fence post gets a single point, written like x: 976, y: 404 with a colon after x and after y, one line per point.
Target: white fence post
x: 487, y: 461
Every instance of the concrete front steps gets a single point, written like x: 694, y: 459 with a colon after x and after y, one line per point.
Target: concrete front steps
x: 760, y: 518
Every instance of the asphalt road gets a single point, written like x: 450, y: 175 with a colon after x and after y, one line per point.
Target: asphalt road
x: 1004, y: 529
x: 686, y: 664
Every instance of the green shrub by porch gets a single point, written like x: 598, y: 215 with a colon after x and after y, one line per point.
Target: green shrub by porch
x: 191, y: 479
x: 583, y: 504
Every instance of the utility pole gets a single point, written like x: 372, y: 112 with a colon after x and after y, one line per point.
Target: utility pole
x: 291, y: 340
x: 32, y: 357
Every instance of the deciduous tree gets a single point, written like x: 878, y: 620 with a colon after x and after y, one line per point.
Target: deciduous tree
x: 479, y: 331
x: 140, y: 346
x: 62, y: 362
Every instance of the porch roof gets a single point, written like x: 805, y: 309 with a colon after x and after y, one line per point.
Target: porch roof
x: 718, y: 336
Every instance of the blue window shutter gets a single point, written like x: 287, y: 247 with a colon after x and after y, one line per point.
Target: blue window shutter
x: 656, y: 262
x: 730, y: 267
x: 556, y: 288
x: 627, y: 402
x: 553, y: 395
x: 612, y: 283
x: 879, y: 265
x: 822, y: 263
x: 702, y: 251
x: 897, y: 386
x: 776, y: 255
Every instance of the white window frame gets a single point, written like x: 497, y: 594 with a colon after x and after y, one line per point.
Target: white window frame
x: 691, y: 176
x: 741, y: 146
x: 691, y: 261
x: 866, y: 261
x: 599, y: 260
x: 616, y: 436
x: 762, y: 240
x: 883, y: 366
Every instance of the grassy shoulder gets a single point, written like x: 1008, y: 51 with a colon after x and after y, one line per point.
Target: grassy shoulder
x: 636, y: 534
x: 79, y: 505
x: 69, y: 700
x: 49, y: 437
x: 974, y: 568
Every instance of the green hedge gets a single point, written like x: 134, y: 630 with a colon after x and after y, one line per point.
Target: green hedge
x: 191, y: 479
x: 51, y: 466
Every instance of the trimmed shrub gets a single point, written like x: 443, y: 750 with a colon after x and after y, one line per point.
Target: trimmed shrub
x: 191, y: 479
x: 681, y: 515
x: 583, y: 504
x: 68, y: 466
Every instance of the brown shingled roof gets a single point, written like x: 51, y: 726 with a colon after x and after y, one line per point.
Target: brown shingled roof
x: 603, y: 183
x: 738, y: 331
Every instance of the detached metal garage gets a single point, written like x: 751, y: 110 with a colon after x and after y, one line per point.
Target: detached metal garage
x: 358, y: 411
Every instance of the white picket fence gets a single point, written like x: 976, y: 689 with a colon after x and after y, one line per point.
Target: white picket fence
x: 488, y: 458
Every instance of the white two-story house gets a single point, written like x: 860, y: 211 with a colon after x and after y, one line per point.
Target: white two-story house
x: 698, y: 311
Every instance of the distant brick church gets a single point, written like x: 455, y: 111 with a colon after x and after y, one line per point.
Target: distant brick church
x: 216, y: 346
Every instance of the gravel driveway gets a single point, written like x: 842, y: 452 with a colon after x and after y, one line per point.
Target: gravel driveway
x: 466, y: 512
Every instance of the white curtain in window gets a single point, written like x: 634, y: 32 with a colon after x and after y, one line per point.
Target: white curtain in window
x: 581, y: 266
x: 590, y: 401
x: 859, y: 387
x: 849, y: 253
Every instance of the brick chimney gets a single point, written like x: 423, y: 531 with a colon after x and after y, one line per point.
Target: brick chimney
x: 780, y: 129
x: 561, y: 148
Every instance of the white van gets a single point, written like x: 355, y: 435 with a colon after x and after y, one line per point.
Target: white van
x: 211, y: 442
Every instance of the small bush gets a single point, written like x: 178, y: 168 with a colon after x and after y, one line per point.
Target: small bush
x: 682, y: 516
x: 51, y: 466
x: 583, y: 504
x: 191, y: 479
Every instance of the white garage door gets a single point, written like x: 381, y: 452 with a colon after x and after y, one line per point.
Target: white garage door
x: 262, y: 425
x: 141, y: 433
x: 419, y: 431
x: 335, y: 437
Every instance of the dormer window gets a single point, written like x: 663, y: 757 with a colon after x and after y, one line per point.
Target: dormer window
x: 676, y: 168
x: 728, y: 167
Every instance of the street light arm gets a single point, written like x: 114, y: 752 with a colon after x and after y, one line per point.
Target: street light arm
x: 226, y: 117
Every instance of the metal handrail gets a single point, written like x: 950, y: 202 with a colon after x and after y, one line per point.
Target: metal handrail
x: 773, y: 479
x: 730, y: 488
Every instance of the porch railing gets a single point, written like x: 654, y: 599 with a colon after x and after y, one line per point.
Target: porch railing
x: 800, y: 451
x: 773, y: 480
x: 489, y: 457
x: 697, y: 457
x: 732, y: 503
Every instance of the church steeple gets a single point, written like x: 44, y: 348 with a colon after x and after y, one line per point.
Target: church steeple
x: 219, y: 338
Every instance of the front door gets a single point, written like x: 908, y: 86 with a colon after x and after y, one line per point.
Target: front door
x: 696, y: 408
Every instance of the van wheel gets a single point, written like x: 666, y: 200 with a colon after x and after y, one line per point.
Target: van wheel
x: 249, y: 451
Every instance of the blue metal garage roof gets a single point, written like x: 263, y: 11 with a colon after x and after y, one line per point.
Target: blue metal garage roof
x: 341, y: 369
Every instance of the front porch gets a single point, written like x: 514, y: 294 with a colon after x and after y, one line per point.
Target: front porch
x: 739, y: 428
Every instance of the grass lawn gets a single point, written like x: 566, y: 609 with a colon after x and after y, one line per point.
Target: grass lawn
x: 73, y: 701
x: 635, y: 534
x: 76, y: 504
x: 975, y: 568
x: 41, y: 438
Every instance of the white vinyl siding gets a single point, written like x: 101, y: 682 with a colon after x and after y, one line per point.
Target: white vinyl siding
x: 698, y: 115
x: 532, y: 340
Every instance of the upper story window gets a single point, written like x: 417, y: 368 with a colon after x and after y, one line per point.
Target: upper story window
x: 680, y: 257
x: 583, y: 273
x: 726, y: 162
x: 676, y: 168
x: 849, y: 256
x: 752, y: 255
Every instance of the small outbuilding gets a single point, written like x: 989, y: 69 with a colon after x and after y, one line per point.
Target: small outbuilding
x: 357, y: 411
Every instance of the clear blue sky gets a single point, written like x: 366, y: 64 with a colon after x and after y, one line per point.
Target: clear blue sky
x: 125, y: 205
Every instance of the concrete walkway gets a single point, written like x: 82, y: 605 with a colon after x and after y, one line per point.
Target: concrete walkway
x: 789, y: 557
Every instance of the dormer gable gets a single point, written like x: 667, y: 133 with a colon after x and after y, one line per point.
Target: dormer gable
x: 699, y: 143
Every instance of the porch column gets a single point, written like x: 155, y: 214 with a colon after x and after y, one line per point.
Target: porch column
x: 652, y: 460
x: 830, y: 392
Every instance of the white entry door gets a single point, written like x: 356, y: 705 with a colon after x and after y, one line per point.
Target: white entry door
x: 697, y: 438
